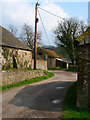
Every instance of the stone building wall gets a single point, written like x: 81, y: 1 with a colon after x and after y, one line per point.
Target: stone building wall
x: 0, y: 58
x: 0, y: 66
x: 83, y: 76
x: 16, y: 58
x: 41, y: 64
x: 51, y: 62
x: 10, y: 77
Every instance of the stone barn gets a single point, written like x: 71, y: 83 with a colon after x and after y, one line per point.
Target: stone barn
x: 53, y: 60
x: 13, y: 52
x: 83, y: 83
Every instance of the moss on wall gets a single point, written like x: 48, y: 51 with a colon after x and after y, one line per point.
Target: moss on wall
x: 15, y: 58
x: 83, y: 77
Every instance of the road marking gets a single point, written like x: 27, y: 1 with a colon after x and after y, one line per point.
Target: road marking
x: 59, y: 87
x: 56, y: 101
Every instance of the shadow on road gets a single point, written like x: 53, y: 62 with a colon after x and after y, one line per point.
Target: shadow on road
x: 44, y: 97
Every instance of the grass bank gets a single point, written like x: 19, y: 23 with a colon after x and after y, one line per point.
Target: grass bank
x: 33, y: 80
x: 70, y: 110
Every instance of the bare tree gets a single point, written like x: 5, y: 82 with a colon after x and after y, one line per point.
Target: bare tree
x: 12, y: 29
x: 27, y: 36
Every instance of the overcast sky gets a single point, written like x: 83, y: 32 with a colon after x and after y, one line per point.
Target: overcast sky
x: 18, y: 12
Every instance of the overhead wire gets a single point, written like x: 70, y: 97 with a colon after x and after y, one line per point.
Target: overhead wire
x: 43, y: 27
x: 51, y: 13
x: 55, y: 14
x: 30, y: 16
x: 31, y: 13
x: 41, y: 18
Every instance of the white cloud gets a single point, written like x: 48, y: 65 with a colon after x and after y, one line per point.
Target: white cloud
x: 15, y: 1
x: 0, y: 14
x: 69, y: 0
x: 12, y: 1
x: 18, y: 13
x: 50, y: 21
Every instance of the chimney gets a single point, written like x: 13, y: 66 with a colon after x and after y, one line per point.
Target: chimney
x: 89, y: 13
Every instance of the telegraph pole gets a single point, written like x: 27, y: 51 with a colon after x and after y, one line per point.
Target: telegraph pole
x: 35, y: 38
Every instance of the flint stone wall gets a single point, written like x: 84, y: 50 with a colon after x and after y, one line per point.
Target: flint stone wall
x: 15, y: 58
x: 83, y: 86
x: 10, y: 77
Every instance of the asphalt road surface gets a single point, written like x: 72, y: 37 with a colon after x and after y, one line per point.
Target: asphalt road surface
x: 38, y: 100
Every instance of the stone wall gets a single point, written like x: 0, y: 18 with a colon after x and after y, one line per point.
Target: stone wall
x: 16, y: 58
x: 41, y: 64
x: 83, y: 99
x: 10, y: 77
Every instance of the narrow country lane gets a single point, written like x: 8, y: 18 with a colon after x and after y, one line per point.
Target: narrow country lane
x: 38, y: 100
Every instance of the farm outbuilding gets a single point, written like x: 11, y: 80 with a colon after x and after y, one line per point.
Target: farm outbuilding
x: 14, y: 53
x: 63, y: 63
x: 53, y: 60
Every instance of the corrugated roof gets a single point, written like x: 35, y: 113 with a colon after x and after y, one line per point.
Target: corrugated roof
x: 64, y: 60
x: 84, y: 37
x: 50, y: 53
x: 9, y: 40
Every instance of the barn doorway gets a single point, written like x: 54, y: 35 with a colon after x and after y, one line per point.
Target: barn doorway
x: 14, y: 62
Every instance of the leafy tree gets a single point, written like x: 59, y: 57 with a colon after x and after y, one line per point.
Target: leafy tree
x: 66, y: 33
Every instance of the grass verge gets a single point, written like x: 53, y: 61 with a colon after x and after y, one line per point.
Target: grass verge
x: 33, y: 80
x: 57, y: 68
x: 70, y: 70
x: 70, y: 111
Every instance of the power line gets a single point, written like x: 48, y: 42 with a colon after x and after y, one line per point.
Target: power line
x: 51, y: 13
x: 30, y: 16
x: 31, y: 13
x: 54, y: 14
x: 44, y: 27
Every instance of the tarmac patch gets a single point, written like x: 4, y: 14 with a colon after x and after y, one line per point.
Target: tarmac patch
x: 59, y: 87
x: 56, y: 101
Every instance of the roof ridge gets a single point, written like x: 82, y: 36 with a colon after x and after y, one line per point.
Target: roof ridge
x: 8, y: 39
x: 50, y: 53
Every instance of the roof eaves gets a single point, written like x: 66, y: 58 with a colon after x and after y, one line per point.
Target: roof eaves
x: 3, y: 45
x: 81, y: 38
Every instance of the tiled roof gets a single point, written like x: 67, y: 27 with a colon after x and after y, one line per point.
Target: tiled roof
x: 9, y: 40
x: 50, y: 53
x: 84, y: 37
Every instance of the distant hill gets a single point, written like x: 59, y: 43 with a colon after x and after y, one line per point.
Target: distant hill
x: 59, y: 50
